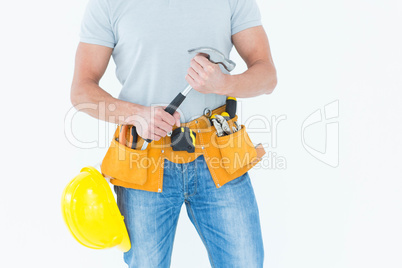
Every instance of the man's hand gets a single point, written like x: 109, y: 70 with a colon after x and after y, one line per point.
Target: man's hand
x: 205, y: 76
x: 260, y: 78
x: 153, y: 122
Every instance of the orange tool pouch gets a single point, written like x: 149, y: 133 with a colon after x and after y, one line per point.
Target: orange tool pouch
x: 227, y: 157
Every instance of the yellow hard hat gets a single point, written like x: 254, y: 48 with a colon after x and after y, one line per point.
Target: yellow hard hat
x: 91, y: 213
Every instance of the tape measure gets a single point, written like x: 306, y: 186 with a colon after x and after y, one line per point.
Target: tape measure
x: 183, y: 139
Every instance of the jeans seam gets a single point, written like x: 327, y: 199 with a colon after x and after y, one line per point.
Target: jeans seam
x: 184, y: 176
x: 201, y: 235
x: 196, y: 179
x: 170, y: 261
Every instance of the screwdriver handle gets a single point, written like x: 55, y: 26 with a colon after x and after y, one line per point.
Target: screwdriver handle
x: 231, y: 106
x: 133, y: 137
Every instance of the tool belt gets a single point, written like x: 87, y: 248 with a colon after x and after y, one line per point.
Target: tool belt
x: 227, y: 157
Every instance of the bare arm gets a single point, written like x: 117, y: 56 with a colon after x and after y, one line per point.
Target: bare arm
x: 260, y: 78
x: 90, y: 64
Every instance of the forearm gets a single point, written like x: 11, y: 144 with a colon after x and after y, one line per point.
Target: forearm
x: 259, y: 79
x: 88, y: 97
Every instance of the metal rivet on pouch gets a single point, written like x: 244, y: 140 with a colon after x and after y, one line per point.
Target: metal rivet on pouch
x: 202, y: 147
x: 159, y: 190
x: 163, y: 151
x: 219, y: 185
x: 199, y: 131
x: 196, y: 121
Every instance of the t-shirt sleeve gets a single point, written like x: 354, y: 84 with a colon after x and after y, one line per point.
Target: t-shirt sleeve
x: 245, y: 14
x: 96, y: 27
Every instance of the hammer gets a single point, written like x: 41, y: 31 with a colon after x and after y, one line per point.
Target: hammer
x: 214, y: 56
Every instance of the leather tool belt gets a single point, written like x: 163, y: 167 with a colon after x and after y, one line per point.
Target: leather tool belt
x: 227, y: 157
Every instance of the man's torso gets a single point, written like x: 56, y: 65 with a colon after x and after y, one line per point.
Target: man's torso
x: 152, y: 39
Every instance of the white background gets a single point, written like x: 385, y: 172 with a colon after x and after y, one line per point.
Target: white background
x: 312, y: 215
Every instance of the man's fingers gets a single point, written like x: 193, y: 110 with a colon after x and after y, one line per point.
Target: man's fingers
x: 159, y: 132
x: 176, y: 116
x: 197, y: 67
x: 169, y: 119
x: 202, y: 61
x: 161, y: 114
x: 194, y: 75
x: 189, y: 80
x: 164, y: 126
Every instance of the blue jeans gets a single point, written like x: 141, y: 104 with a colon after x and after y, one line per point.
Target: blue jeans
x: 226, y: 218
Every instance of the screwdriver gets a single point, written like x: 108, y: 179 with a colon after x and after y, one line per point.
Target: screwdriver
x: 133, y: 137
x: 231, y: 106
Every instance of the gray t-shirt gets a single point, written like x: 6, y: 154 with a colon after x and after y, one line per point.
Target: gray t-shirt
x: 151, y: 38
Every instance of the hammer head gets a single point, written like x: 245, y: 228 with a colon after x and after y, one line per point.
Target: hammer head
x: 215, y: 56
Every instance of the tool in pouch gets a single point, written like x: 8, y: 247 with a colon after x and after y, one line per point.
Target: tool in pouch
x: 227, y: 157
x: 231, y: 108
x: 132, y: 142
x: 220, y: 122
x: 214, y: 56
x: 183, y: 139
